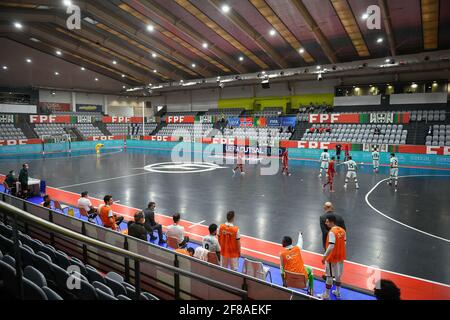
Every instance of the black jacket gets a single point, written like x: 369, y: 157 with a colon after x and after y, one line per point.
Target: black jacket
x: 149, y: 217
x: 10, y: 180
x: 137, y: 230
x: 339, y: 222
x: 23, y: 177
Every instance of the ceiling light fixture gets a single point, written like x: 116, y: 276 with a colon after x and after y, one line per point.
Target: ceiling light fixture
x: 114, y: 62
x: 153, y: 55
x: 18, y: 25
x: 67, y: 3
x: 365, y: 16
x: 56, y: 73
x: 241, y: 58
x: 205, y: 45
x: 301, y: 50
x: 379, y: 40
x: 28, y: 60
x: 225, y: 8
x: 193, y: 65
x: 96, y: 79
x: 58, y: 52
x: 5, y: 68
x: 150, y: 28
x: 155, y: 71
x: 272, y: 32
x: 83, y: 68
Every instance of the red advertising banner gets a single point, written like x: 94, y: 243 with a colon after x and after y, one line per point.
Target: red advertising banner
x: 19, y: 142
x: 159, y: 138
x: 54, y: 106
x: 180, y: 119
x: 334, y: 118
x: 422, y: 149
x: 34, y: 118
x: 106, y: 138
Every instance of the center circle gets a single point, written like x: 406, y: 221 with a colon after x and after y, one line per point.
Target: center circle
x: 182, y: 167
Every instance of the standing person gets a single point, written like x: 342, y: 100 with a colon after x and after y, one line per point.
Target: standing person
x: 346, y: 152
x: 291, y: 260
x: 352, y: 168
x: 330, y: 174
x: 334, y: 257
x: 23, y: 179
x: 393, y: 172
x: 324, y: 160
x: 375, y: 159
x: 210, y: 241
x: 239, y: 163
x: 230, y: 243
x: 136, y: 228
x: 285, y: 161
x: 150, y: 223
x: 86, y: 204
x: 338, y: 152
x: 177, y: 231
x: 329, y: 211
x: 109, y: 218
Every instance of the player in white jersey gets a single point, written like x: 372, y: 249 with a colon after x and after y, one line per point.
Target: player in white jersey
x: 375, y: 159
x: 393, y: 170
x: 210, y: 241
x: 324, y: 160
x: 351, y: 172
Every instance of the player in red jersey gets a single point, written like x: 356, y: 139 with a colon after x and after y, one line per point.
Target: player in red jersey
x: 330, y: 173
x: 239, y: 163
x: 285, y: 162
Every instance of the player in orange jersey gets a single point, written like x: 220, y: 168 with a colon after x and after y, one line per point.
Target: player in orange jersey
x: 230, y: 243
x: 334, y: 257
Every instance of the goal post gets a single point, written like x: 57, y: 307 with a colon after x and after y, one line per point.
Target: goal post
x: 56, y: 143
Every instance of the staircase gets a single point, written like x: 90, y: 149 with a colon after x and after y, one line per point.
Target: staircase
x: 27, y: 130
x: 300, y: 130
x: 103, y: 129
x: 75, y: 134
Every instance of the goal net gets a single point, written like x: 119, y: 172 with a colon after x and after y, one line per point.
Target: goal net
x: 56, y: 143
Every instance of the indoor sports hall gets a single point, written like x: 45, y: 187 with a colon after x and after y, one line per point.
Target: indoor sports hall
x: 225, y: 150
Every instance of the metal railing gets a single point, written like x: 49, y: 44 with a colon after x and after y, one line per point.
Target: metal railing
x: 18, y: 214
x: 259, y: 289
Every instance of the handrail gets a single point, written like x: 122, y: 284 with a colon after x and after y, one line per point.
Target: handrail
x: 15, y: 212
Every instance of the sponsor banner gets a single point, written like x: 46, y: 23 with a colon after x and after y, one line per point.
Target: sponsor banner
x: 260, y: 122
x: 7, y: 118
x: 234, y: 122
x: 180, y: 119
x: 368, y: 147
x: 89, y: 108
x: 54, y: 106
x: 106, y: 138
x: 83, y: 119
x: 205, y: 119
x: 379, y: 117
x: 19, y: 142
x: 421, y: 149
x: 34, y: 118
x: 288, y: 121
x: 160, y: 138
x: 273, y: 122
x: 121, y: 119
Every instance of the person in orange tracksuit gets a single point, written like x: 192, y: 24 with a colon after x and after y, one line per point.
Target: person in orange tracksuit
x: 334, y: 257
x: 109, y: 219
x: 230, y: 243
x: 188, y: 251
x: 291, y: 260
x: 330, y: 173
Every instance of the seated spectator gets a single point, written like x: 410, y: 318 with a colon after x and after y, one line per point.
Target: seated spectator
x: 386, y: 290
x: 10, y: 181
x: 47, y: 203
x: 291, y: 260
x: 377, y: 131
x: 188, y: 251
x: 177, y: 231
x: 136, y: 228
x: 86, y: 204
x: 210, y: 241
x: 311, y: 130
x: 109, y: 219
x: 328, y: 129
x: 430, y: 131
x: 150, y: 223
x: 201, y: 253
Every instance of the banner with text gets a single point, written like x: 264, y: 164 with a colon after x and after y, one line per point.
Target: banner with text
x: 379, y: 117
x: 89, y: 108
x: 180, y: 119
x: 19, y: 142
x: 7, y: 118
x: 45, y: 107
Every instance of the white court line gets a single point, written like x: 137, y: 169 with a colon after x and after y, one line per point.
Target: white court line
x: 396, y: 221
x: 310, y: 252
x: 103, y: 180
x: 196, y: 224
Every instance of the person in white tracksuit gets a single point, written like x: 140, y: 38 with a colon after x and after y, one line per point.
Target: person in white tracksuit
x: 324, y: 161
x: 352, y: 168
x: 393, y: 171
x: 375, y: 159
